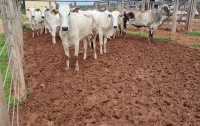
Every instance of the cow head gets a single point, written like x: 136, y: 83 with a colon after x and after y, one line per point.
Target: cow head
x: 114, y: 17
x: 64, y: 12
x: 165, y: 10
x: 43, y: 10
x: 32, y: 11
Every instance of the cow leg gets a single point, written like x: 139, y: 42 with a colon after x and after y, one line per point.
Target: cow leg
x: 101, y: 42
x: 41, y: 29
x: 152, y: 35
x: 105, y: 41
x: 113, y: 36
x: 85, y: 48
x: 53, y: 34
x: 89, y: 41
x: 123, y: 34
x: 76, y: 44
x: 45, y: 30
x: 66, y: 48
x: 149, y: 37
x: 32, y: 27
x: 94, y: 44
x: 37, y: 30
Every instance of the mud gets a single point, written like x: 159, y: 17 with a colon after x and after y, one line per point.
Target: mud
x: 134, y: 84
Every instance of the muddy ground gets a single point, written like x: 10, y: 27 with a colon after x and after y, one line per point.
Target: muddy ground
x: 134, y: 84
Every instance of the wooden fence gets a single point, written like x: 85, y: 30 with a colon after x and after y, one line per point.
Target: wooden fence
x: 12, y: 23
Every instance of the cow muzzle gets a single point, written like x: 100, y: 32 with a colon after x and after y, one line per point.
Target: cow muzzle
x: 114, y: 27
x: 42, y: 17
x: 65, y: 28
x: 33, y: 16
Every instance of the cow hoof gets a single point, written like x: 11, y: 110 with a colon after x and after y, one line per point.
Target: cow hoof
x: 77, y: 69
x: 95, y: 57
x: 66, y: 68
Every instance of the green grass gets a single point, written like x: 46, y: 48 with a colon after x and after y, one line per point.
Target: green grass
x: 166, y: 38
x: 26, y: 28
x: 194, y: 44
x: 24, y: 18
x: 3, y: 67
x: 194, y: 33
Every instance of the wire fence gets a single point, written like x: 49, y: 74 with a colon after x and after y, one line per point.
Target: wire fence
x: 12, y: 84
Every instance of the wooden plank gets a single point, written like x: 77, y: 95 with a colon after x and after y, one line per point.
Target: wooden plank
x: 174, y: 21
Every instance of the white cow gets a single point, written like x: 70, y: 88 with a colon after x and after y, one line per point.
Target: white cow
x: 35, y: 19
x: 106, y: 24
x: 51, y: 21
x: 73, y: 28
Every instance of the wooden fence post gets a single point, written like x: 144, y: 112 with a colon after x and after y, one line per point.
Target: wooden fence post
x: 143, y: 5
x: 96, y: 5
x: 13, y: 32
x: 148, y: 6
x: 174, y: 21
x: 191, y: 15
x: 143, y: 8
x: 159, y: 4
x: 107, y: 2
x: 49, y: 5
x: 4, y: 118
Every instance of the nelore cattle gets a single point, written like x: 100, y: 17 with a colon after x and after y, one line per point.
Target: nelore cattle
x: 35, y: 20
x: 51, y: 21
x: 106, y: 23
x: 150, y: 19
x: 73, y: 28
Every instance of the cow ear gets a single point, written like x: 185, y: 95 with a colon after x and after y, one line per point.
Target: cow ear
x: 54, y: 12
x: 109, y: 15
x: 37, y: 9
x: 77, y: 9
x: 130, y: 15
x: 27, y: 9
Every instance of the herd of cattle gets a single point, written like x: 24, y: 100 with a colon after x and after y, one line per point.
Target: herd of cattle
x: 74, y: 25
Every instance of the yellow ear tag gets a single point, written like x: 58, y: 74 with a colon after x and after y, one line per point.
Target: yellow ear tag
x: 54, y: 14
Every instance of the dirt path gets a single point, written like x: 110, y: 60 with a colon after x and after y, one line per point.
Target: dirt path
x: 134, y: 84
